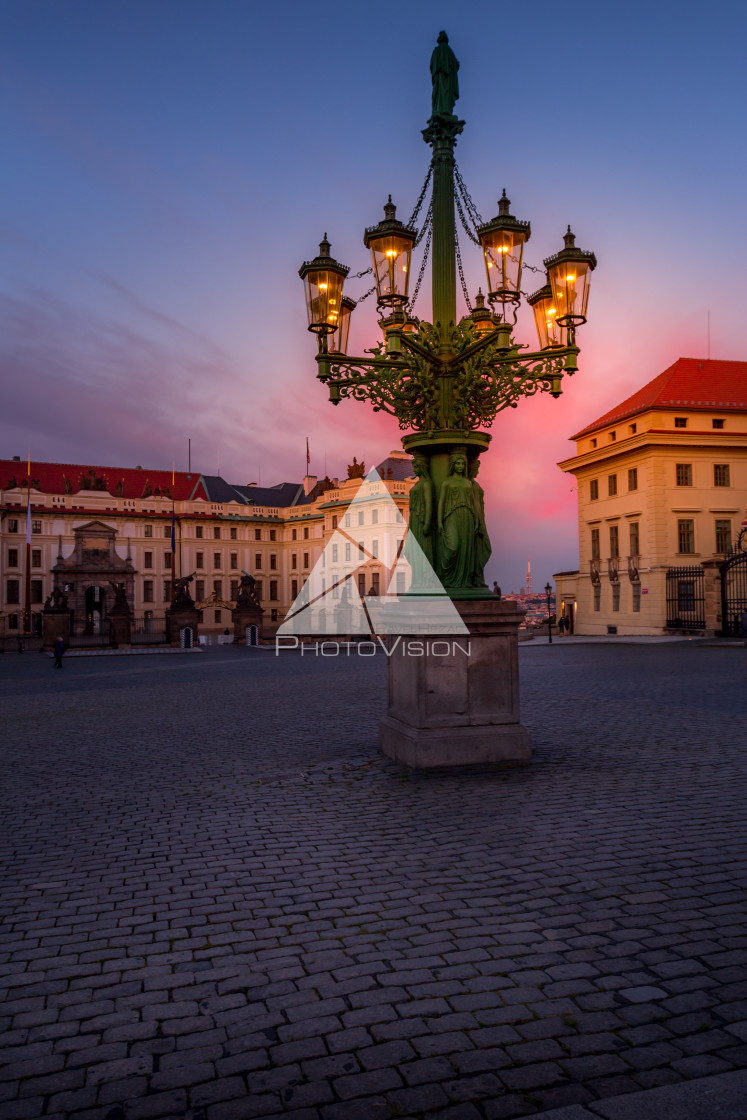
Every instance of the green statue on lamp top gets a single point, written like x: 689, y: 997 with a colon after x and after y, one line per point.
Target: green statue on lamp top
x: 444, y: 67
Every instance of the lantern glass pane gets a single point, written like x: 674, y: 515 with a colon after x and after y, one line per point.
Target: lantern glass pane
x: 391, y: 265
x: 323, y: 298
x: 570, y: 288
x: 338, y: 342
x: 504, y: 251
x: 549, y: 331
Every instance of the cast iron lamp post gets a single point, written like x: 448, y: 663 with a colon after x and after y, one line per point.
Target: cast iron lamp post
x: 548, y: 593
x: 447, y: 380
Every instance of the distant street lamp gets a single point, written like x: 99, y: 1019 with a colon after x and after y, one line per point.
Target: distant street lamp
x: 446, y: 380
x: 548, y: 593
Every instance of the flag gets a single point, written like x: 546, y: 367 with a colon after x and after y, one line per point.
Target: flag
x: 28, y: 500
x: 308, y: 457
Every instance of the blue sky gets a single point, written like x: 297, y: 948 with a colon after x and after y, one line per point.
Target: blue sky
x: 168, y: 166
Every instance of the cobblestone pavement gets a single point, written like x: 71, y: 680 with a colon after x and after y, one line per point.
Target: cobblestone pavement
x: 218, y: 901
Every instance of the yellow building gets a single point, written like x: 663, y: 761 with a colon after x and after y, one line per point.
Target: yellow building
x: 94, y: 526
x: 662, y: 495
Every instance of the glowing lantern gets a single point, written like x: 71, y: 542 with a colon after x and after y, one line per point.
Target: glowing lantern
x: 503, y: 246
x: 391, y: 245
x: 323, y: 279
x: 569, y: 272
x: 549, y: 330
x: 338, y: 343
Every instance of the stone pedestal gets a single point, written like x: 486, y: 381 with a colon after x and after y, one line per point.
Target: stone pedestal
x: 181, y: 618
x: 120, y: 627
x: 244, y: 617
x: 456, y: 703
x: 55, y: 624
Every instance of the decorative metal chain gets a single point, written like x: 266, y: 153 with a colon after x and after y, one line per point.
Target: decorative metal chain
x: 368, y: 293
x: 414, y: 216
x: 461, y: 270
x: 463, y: 220
x: 472, y: 210
x: 426, y: 251
x: 426, y: 224
x: 357, y: 275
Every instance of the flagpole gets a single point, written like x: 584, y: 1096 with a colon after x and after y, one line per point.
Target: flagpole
x: 27, y: 612
x: 173, y: 532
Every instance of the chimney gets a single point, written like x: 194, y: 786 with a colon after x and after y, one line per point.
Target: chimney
x: 309, y: 483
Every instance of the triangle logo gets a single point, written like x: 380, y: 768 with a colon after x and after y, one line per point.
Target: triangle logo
x: 372, y: 578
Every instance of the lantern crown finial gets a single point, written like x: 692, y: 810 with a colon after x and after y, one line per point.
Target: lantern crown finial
x: 324, y: 246
x: 569, y: 239
x: 504, y: 203
x: 390, y: 210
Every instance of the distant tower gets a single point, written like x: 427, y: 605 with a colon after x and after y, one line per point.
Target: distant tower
x: 529, y: 579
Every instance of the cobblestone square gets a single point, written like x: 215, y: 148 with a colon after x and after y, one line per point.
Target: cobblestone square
x: 219, y: 901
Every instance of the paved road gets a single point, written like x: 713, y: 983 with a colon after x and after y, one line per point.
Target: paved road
x: 218, y: 902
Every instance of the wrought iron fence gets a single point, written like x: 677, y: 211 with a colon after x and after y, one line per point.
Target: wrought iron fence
x: 686, y: 598
x: 88, y: 633
x: 734, y: 594
x: 12, y: 636
x: 148, y: 630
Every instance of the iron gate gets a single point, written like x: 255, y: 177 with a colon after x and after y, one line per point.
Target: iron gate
x: 686, y: 598
x: 734, y: 593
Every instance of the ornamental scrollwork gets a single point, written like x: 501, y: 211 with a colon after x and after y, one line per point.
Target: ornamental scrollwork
x: 484, y: 385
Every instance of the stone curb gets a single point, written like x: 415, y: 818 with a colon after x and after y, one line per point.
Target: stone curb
x: 721, y: 1097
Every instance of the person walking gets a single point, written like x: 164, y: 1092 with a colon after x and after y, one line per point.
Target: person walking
x: 58, y: 650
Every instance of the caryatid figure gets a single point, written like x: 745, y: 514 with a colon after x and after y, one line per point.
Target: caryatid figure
x: 444, y: 68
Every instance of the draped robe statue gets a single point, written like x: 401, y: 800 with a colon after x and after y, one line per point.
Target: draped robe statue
x: 444, y: 68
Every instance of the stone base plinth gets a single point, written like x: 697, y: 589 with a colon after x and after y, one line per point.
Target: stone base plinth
x: 453, y: 700
x: 55, y: 624
x: 243, y: 618
x: 178, y: 619
x: 120, y: 628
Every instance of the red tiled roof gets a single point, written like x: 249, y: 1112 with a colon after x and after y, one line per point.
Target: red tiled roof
x: 52, y: 476
x: 691, y: 383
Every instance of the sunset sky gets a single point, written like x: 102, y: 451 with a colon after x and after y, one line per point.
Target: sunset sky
x: 167, y: 166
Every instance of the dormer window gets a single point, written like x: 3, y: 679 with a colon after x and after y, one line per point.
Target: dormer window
x: 680, y: 421
x: 613, y: 437
x: 717, y: 424
x: 593, y: 444
x: 632, y: 428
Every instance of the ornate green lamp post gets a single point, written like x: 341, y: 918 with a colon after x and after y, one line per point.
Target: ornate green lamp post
x: 446, y: 380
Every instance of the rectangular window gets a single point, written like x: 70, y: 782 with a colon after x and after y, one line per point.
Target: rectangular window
x: 216, y: 532
x: 717, y: 424
x: 306, y: 533
x: 684, y: 474
x: 294, y: 588
x: 723, y: 535
x: 375, y: 583
x: 375, y: 550
x: 597, y: 597
x: 612, y: 437
x: 294, y: 559
x: 633, y: 478
x: 721, y: 474
x: 636, y: 598
x: 36, y: 558
x: 36, y: 591
x: 216, y: 560
x: 167, y: 591
x: 361, y: 550
x: 635, y: 544
x: 12, y: 593
x: 334, y: 520
x: 258, y: 534
x: 257, y: 559
x: 218, y: 588
x: 234, y: 561
x: 12, y: 524
x: 305, y: 559
x: 632, y: 428
x: 199, y: 590
x: 334, y: 554
x: 234, y: 533
x: 614, y: 540
x: 167, y: 530
x: 217, y: 616
x: 347, y: 552
x: 273, y: 590
x: 12, y: 557
x: 347, y: 520
x: 198, y: 532
x: 200, y: 561
x: 148, y: 591
x: 147, y: 559
x: 167, y: 559
x: 361, y: 518
x: 335, y: 590
x: 36, y: 527
x: 294, y: 534
x: 259, y: 588
x: 686, y: 534
x: 273, y: 534
x: 374, y: 517
x: 148, y: 531
x: 12, y: 621
x: 595, y: 552
x: 361, y: 584
x: 234, y: 588
x: 273, y: 562
x: 612, y: 485
x: 400, y: 583
x: 680, y: 421
x: 616, y: 596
